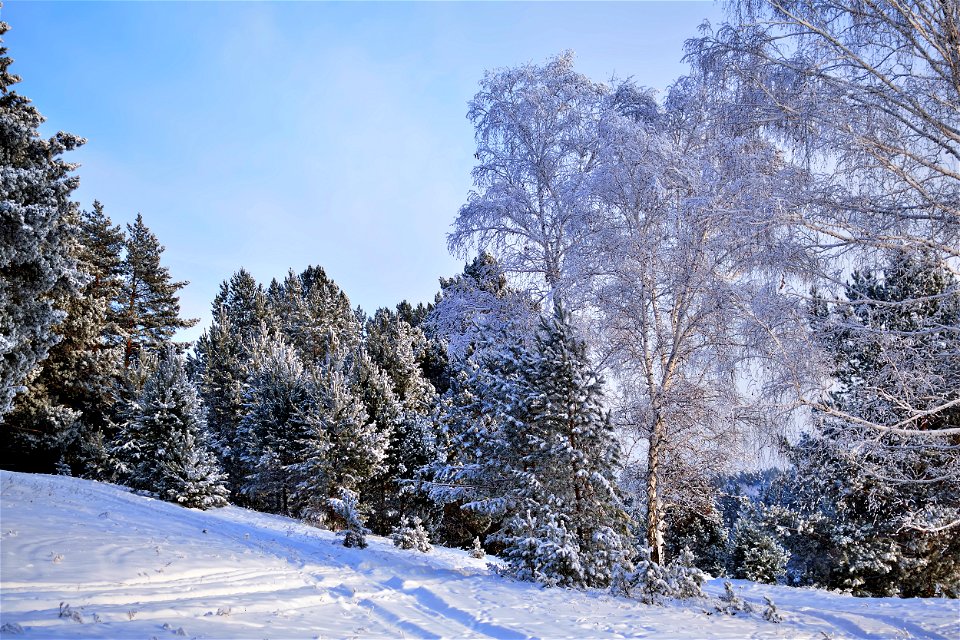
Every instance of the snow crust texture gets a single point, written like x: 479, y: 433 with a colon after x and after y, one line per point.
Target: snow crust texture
x: 80, y: 559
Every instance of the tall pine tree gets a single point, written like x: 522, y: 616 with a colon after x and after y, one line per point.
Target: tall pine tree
x: 64, y: 416
x: 148, y: 305
x: 223, y: 358
x: 35, y: 187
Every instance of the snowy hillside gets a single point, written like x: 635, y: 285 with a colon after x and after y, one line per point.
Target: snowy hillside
x: 88, y: 560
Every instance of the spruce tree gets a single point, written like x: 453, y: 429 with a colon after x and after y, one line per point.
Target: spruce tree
x: 162, y: 449
x: 149, y: 307
x: 36, y: 184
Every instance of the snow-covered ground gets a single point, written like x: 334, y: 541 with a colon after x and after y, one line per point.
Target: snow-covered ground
x: 80, y: 559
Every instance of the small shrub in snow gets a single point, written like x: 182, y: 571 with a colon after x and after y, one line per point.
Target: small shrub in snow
x: 651, y: 583
x: 346, y: 508
x: 11, y: 628
x: 730, y: 603
x: 770, y: 614
x: 477, y: 551
x: 411, y: 535
x: 66, y: 611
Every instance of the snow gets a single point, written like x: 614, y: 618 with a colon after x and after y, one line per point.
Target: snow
x: 134, y: 567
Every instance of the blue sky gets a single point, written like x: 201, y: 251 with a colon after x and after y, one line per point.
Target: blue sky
x: 277, y: 135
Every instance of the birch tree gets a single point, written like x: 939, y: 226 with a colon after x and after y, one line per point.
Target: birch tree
x: 866, y: 95
x: 682, y: 272
x: 536, y: 136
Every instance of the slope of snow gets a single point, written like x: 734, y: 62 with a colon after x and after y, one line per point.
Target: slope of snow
x: 80, y: 559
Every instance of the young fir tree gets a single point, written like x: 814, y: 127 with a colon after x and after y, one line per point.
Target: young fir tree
x: 162, y: 448
x: 35, y: 187
x: 884, y: 506
x: 64, y: 416
x: 148, y: 305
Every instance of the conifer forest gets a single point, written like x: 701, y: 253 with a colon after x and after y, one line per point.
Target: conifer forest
x: 711, y: 332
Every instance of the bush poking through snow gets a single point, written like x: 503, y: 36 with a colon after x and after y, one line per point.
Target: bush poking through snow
x: 346, y: 507
x: 770, y: 614
x: 651, y: 583
x: 477, y: 551
x: 66, y: 611
x: 411, y: 535
x: 730, y: 603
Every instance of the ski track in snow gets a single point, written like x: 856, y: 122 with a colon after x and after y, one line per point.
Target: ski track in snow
x: 134, y: 567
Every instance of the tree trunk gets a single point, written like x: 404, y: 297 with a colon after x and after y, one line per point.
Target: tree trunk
x: 654, y: 508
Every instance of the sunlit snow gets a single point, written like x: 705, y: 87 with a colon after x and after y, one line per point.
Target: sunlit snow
x: 89, y: 560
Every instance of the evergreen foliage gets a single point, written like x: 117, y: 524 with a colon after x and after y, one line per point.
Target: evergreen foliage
x: 223, y: 358
x: 346, y: 508
x: 651, y: 582
x: 274, y: 429
x: 63, y: 417
x: 148, y: 305
x: 880, y: 505
x: 476, y: 551
x: 756, y: 554
x: 162, y: 448
x: 395, y: 347
x: 532, y: 445
x: 36, y: 217
x: 411, y: 535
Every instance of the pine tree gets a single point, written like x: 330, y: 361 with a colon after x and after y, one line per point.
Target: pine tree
x: 149, y: 307
x: 884, y: 506
x: 222, y: 359
x: 757, y: 555
x: 532, y: 447
x: 275, y: 427
x: 314, y: 314
x: 394, y: 346
x: 163, y: 447
x: 566, y: 457
x: 343, y: 448
x: 64, y: 416
x: 35, y: 209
